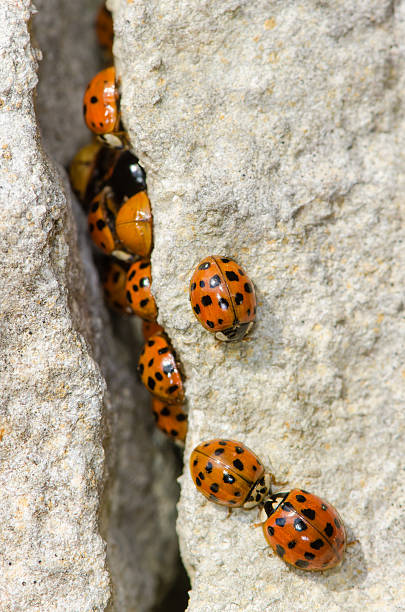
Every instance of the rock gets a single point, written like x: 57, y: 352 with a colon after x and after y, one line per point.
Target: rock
x: 274, y: 135
x: 74, y: 451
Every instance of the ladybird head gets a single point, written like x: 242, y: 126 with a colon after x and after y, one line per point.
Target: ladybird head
x: 272, y: 503
x: 259, y: 492
x: 234, y: 333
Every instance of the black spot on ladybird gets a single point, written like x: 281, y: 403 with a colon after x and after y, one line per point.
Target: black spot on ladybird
x: 309, y: 555
x: 206, y: 300
x: 131, y: 276
x: 317, y: 544
x: 238, y: 464
x: 172, y: 388
x: 208, y: 467
x: 214, y: 487
x: 102, y: 245
x: 163, y: 350
x: 174, y: 433
x: 197, y: 309
x: 219, y: 451
x: 238, y: 299
x: 195, y: 462
x: 144, y: 282
x: 301, y: 563
x: 239, y: 450
x: 100, y: 224
x: 201, y: 476
x: 300, y: 498
x: 214, y: 281
x: 280, y: 521
x: 84, y: 109
x: 135, y: 288
x: 158, y: 376
x: 202, y: 284
x: 291, y: 544
x: 223, y: 303
x: 225, y: 260
x: 220, y: 321
x: 129, y: 297
x: 151, y: 342
x: 168, y: 368
x: 248, y: 288
x: 231, y: 276
x: 143, y: 303
x: 116, y: 277
x: 150, y: 363
x: 141, y: 368
x: 210, y: 323
x: 280, y: 550
x: 151, y: 383
x: 93, y: 99
x: 328, y: 530
x: 324, y: 507
x: 228, y: 478
x: 193, y: 286
x: 198, y: 482
x: 165, y: 411
x: 309, y: 513
x: 337, y: 523
x: 181, y: 417
x: 91, y: 227
x: 270, y: 530
x: 236, y: 493
x: 299, y: 525
x: 144, y: 264
x: 204, y: 266
x: 222, y: 442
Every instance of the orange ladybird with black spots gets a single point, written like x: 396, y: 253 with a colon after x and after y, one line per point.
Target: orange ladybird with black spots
x: 304, y: 530
x: 228, y: 473
x: 223, y: 298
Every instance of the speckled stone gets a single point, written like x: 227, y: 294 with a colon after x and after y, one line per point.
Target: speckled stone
x: 274, y: 133
x: 87, y: 487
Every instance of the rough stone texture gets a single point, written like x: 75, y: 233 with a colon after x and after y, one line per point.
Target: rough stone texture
x: 274, y: 133
x: 58, y: 483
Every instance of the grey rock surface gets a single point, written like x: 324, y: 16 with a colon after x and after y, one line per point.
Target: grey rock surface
x: 274, y: 133
x: 88, y: 488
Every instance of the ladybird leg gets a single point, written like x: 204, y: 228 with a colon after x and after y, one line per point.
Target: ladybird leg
x: 228, y: 513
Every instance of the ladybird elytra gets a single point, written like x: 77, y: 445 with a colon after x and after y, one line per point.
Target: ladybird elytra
x: 138, y: 290
x: 99, y: 222
x: 170, y: 418
x: 82, y: 168
x: 304, y: 530
x: 228, y: 473
x: 223, y: 298
x: 159, y: 370
x: 134, y: 224
x: 101, y: 103
x: 104, y: 29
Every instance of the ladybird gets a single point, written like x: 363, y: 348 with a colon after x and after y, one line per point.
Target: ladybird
x: 133, y: 224
x: 150, y: 328
x: 114, y: 277
x: 121, y: 231
x: 101, y: 108
x: 138, y: 293
x: 170, y: 418
x: 228, y: 473
x: 104, y: 29
x: 304, y: 530
x: 223, y: 298
x: 159, y: 370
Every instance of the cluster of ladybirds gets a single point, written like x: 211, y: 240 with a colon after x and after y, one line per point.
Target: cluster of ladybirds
x: 302, y: 529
